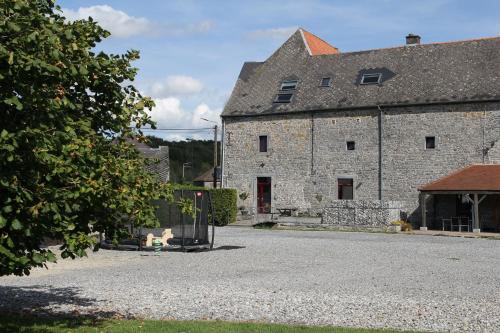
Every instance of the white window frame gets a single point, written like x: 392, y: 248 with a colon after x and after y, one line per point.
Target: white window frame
x: 291, y: 84
x: 329, y: 82
x: 379, y: 75
x: 284, y: 102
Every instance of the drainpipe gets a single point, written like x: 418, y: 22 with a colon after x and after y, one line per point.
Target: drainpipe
x: 483, y: 148
x: 312, y: 143
x: 380, y: 159
x: 222, y: 151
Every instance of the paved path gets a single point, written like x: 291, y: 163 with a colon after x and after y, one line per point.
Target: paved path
x: 336, y: 278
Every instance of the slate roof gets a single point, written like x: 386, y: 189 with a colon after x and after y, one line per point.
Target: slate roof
x: 462, y: 71
x: 161, y: 167
x: 477, y: 177
x: 208, y: 176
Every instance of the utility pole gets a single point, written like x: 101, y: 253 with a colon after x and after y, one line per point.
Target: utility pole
x: 215, y: 156
x: 215, y: 151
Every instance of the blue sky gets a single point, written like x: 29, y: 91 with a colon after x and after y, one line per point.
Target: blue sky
x: 192, y: 51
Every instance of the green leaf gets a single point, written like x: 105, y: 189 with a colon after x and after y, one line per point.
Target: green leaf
x: 16, y: 225
x: 4, y: 134
x: 50, y: 257
x: 10, y: 243
x: 83, y: 70
x: 37, y: 258
x: 3, y: 221
x: 7, y: 209
x: 14, y: 101
x: 139, y: 106
x: 11, y: 58
x: 13, y: 26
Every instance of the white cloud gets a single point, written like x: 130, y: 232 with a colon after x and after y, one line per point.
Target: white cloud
x: 200, y: 27
x: 168, y: 113
x: 273, y: 33
x: 204, y: 111
x: 122, y: 25
x: 119, y: 23
x: 176, y: 85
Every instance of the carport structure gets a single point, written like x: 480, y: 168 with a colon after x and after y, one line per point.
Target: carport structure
x: 474, y: 184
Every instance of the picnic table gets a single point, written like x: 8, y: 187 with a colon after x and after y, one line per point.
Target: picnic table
x: 456, y: 222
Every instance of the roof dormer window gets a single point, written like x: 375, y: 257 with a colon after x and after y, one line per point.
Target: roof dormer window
x: 283, y: 98
x: 288, y: 85
x: 325, y: 82
x: 371, y: 78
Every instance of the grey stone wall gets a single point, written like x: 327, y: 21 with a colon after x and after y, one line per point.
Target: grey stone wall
x: 287, y: 161
x: 492, y: 138
x: 372, y: 213
x: 308, y: 152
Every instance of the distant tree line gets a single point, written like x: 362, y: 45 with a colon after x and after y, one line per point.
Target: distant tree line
x: 199, y: 153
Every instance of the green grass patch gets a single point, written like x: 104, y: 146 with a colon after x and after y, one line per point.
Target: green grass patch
x: 80, y: 325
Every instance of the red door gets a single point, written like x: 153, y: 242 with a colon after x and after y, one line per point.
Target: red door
x: 264, y: 195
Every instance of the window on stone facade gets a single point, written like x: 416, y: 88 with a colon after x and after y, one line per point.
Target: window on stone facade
x: 430, y: 142
x: 289, y: 85
x: 283, y: 98
x: 345, y: 188
x: 371, y: 78
x: 263, y: 143
x: 325, y: 82
x: 350, y: 145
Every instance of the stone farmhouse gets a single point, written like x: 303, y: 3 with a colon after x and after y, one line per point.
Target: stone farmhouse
x: 312, y: 129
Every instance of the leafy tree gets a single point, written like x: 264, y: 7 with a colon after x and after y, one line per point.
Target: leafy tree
x: 61, y: 174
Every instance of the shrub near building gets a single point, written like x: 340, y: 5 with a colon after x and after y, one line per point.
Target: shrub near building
x: 224, y: 200
x: 224, y: 205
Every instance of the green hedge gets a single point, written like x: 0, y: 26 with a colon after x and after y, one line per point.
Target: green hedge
x: 225, y: 202
x: 225, y: 205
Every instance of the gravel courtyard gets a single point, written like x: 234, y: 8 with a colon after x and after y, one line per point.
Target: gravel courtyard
x: 335, y: 278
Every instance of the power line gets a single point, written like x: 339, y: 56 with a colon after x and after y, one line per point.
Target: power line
x: 175, y: 129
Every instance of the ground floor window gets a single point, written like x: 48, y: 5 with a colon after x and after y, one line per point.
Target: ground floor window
x: 345, y: 188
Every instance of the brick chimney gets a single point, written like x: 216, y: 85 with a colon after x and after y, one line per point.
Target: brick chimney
x: 412, y: 39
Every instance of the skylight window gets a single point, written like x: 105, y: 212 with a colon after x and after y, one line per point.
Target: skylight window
x: 325, y: 82
x: 289, y: 85
x: 371, y: 78
x: 283, y: 98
